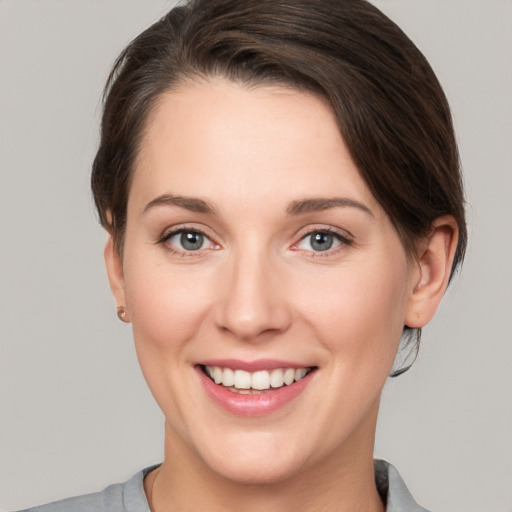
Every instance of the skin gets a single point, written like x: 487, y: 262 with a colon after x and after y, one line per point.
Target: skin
x: 257, y: 289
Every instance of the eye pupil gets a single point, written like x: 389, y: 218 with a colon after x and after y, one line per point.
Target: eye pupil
x: 321, y: 241
x: 191, y: 241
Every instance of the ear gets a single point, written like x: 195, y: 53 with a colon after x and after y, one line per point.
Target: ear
x: 434, y: 265
x: 115, y: 274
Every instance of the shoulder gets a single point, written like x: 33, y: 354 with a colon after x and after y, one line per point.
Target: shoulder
x: 107, y: 500
x: 123, y: 497
x: 393, y: 490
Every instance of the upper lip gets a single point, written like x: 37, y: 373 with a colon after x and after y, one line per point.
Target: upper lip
x: 252, y: 366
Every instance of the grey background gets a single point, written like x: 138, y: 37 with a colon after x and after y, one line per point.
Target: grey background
x: 75, y: 414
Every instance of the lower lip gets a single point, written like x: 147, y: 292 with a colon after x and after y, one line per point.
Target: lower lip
x: 258, y: 404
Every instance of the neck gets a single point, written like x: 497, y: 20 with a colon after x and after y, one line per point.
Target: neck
x: 343, y: 482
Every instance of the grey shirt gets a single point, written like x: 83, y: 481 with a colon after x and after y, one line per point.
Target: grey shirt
x: 130, y: 497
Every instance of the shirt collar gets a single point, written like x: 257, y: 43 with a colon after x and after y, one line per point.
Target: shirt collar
x: 390, y: 485
x: 393, y: 490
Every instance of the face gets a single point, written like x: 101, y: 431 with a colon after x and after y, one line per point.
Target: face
x: 266, y: 286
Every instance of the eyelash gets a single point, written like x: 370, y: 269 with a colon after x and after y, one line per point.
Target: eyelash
x: 183, y: 252
x: 344, y: 242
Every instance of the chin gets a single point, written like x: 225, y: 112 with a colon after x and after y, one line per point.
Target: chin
x: 256, y: 470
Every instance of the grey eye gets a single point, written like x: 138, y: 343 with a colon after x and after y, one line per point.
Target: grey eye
x: 321, y: 241
x: 188, y: 240
x: 191, y: 240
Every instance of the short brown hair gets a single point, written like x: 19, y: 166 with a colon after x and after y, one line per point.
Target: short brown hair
x: 390, y: 107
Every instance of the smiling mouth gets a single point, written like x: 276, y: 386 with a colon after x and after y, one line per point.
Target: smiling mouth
x: 261, y: 381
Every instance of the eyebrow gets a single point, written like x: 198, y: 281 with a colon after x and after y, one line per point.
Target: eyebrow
x: 192, y: 204
x: 316, y: 204
x: 299, y: 207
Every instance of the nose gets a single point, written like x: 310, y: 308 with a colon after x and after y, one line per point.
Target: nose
x: 253, y: 304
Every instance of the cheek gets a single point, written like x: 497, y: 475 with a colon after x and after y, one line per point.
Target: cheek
x: 359, y: 314
x: 167, y: 307
x: 166, y: 304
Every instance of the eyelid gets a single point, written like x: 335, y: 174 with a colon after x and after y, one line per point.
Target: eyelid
x: 181, y: 228
x: 343, y: 236
x: 323, y: 228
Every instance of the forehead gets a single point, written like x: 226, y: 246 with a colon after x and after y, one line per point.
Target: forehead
x: 227, y: 141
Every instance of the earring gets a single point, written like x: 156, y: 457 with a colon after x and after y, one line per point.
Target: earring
x: 122, y: 314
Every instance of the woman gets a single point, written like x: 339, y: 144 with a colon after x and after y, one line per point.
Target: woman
x: 281, y: 188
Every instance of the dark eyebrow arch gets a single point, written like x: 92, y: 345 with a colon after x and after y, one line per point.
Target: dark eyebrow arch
x: 192, y: 204
x: 316, y: 204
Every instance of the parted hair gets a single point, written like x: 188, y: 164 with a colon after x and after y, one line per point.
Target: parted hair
x: 390, y: 108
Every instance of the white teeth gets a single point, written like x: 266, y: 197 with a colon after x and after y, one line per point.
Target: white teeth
x: 228, y: 377
x: 217, y: 374
x: 289, y: 376
x: 300, y: 373
x: 259, y: 380
x: 277, y: 378
x: 242, y: 379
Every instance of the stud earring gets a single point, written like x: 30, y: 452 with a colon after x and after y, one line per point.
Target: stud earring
x: 122, y: 314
